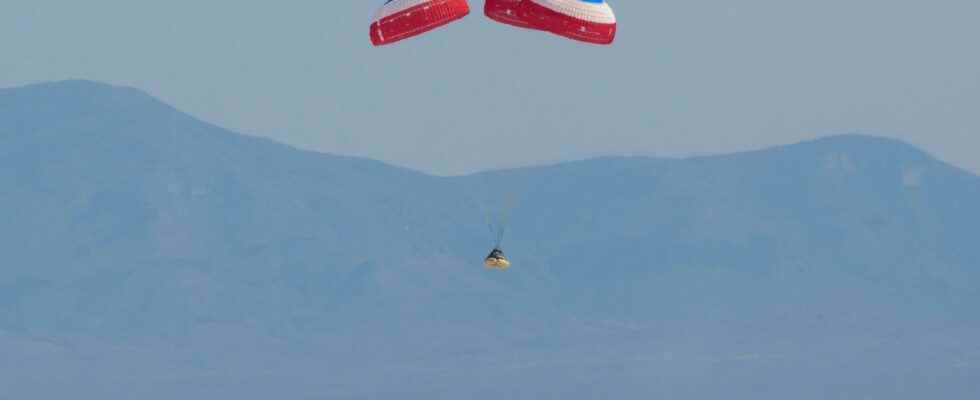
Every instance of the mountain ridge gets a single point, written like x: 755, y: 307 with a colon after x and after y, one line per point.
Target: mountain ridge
x: 94, y: 91
x: 146, y: 253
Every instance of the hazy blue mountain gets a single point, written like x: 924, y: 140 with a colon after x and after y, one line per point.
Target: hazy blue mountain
x: 146, y: 254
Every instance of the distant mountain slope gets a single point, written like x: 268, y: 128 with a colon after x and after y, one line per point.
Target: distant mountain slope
x: 147, y: 253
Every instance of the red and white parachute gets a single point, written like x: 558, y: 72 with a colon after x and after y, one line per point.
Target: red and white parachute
x: 510, y: 12
x: 591, y: 21
x: 402, y: 19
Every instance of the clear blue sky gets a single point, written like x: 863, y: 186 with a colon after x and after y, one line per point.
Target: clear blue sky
x: 683, y: 78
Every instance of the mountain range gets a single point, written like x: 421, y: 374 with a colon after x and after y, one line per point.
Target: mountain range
x: 147, y: 254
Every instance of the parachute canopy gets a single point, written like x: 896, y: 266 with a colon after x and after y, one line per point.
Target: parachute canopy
x: 496, y: 260
x: 508, y: 12
x: 591, y: 21
x: 401, y: 19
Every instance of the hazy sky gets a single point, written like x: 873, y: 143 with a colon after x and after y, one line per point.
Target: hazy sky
x: 683, y: 78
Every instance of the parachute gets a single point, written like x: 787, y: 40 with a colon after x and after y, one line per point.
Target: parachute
x: 591, y: 21
x: 508, y: 12
x: 401, y: 19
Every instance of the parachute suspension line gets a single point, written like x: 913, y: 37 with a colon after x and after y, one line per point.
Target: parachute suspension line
x: 490, y: 227
x: 501, y: 230
x: 504, y: 219
x: 489, y: 216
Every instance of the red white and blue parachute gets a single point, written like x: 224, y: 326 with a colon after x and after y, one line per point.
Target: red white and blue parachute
x: 591, y: 21
x: 402, y: 19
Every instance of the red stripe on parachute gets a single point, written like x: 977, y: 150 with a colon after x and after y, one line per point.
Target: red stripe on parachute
x: 415, y: 20
x: 510, y: 12
x: 531, y: 15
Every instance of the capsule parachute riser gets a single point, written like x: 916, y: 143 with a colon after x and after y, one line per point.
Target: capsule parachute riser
x: 401, y: 19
